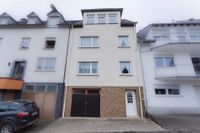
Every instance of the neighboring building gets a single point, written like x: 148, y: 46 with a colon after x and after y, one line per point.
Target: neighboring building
x: 103, y: 75
x: 170, y: 54
x: 33, y: 55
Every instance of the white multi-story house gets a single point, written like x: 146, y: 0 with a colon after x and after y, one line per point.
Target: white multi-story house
x: 103, y: 75
x: 170, y: 58
x: 33, y: 57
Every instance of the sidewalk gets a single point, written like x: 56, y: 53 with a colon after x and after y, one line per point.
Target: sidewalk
x: 97, y: 125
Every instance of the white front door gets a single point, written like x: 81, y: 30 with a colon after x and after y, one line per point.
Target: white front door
x: 131, y: 110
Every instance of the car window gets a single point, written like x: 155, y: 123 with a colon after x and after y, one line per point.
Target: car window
x: 3, y: 108
x: 29, y: 106
x: 12, y: 108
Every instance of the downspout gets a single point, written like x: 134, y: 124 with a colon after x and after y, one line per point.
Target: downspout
x: 143, y: 81
x: 64, y: 76
x: 139, y: 86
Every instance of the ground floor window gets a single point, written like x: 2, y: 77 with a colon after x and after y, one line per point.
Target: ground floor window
x: 167, y: 90
x: 40, y: 88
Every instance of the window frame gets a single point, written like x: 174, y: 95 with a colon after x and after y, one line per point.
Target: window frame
x: 91, y: 42
x: 45, y: 90
x: 90, y: 68
x: 125, y: 74
x: 100, y: 15
x: 128, y: 41
x: 167, y: 88
x: 29, y: 43
x: 162, y: 38
x: 87, y: 18
x: 43, y: 69
x: 109, y: 18
x: 164, y: 61
x: 49, y: 39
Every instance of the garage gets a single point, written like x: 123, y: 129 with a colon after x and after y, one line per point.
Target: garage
x: 85, y: 103
x: 45, y: 97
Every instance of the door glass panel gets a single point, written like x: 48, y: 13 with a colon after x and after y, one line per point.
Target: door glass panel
x: 129, y: 97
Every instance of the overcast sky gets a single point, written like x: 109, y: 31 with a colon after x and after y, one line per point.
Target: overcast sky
x: 142, y: 11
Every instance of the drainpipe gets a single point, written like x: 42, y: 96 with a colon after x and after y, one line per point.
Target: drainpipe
x: 142, y: 72
x: 64, y: 76
x: 139, y: 86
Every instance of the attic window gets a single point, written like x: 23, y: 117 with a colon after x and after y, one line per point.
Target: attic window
x: 112, y: 18
x: 90, y: 19
x: 50, y: 43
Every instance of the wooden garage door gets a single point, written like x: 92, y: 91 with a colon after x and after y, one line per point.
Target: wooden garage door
x: 45, y: 101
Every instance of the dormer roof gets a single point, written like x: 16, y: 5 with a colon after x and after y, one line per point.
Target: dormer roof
x: 6, y: 15
x: 103, y: 10
x: 34, y: 15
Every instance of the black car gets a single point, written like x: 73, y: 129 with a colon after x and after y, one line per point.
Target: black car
x: 15, y: 115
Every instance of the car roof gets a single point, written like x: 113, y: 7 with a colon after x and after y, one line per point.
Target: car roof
x: 16, y: 102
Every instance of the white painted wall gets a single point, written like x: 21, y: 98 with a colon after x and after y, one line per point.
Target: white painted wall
x: 108, y: 56
x: 10, y: 51
x: 187, y: 101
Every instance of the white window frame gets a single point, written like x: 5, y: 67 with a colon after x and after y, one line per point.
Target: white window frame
x: 162, y: 38
x: 90, y: 69
x: 163, y: 60
x: 197, y: 38
x: 88, y: 17
x: 91, y: 42
x: 100, y: 16
x: 125, y: 74
x: 167, y: 88
x: 179, y: 37
x: 49, y: 39
x: 110, y: 21
x: 125, y: 46
x: 35, y: 85
x: 24, y: 40
x: 43, y: 69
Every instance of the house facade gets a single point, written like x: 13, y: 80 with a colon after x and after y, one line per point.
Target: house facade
x: 170, y: 61
x: 103, y: 74
x: 33, y: 57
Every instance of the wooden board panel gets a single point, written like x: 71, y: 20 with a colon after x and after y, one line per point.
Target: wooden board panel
x: 45, y: 101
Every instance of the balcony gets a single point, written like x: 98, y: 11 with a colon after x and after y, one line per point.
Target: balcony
x: 178, y: 72
x: 10, y: 83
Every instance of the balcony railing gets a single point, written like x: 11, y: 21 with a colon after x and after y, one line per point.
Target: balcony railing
x: 178, y: 71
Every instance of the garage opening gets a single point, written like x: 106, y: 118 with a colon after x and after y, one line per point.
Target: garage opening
x: 85, y: 103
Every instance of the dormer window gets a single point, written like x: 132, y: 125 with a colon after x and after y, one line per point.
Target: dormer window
x: 101, y: 18
x: 90, y: 19
x: 50, y: 43
x: 112, y: 18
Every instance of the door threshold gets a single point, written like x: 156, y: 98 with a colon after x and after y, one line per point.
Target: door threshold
x: 100, y: 118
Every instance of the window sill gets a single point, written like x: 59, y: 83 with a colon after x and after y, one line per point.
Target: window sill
x: 23, y: 48
x: 101, y: 23
x: 113, y: 23
x: 168, y: 95
x: 45, y: 71
x: 89, y: 47
x: 87, y: 75
x: 48, y: 48
x: 124, y: 47
x: 125, y: 74
x: 89, y: 23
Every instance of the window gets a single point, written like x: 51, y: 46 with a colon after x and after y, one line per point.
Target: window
x: 13, y: 107
x: 164, y: 61
x: 46, y: 64
x: 123, y: 41
x: 3, y: 108
x: 195, y: 38
x: 90, y: 19
x: 162, y: 38
x: 89, y: 42
x: 160, y: 91
x: 51, y: 88
x: 29, y: 88
x: 125, y: 67
x: 40, y: 88
x: 181, y: 38
x: 25, y: 43
x: 112, y: 18
x: 50, y: 43
x: 101, y: 18
x: 167, y: 90
x: 89, y: 68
